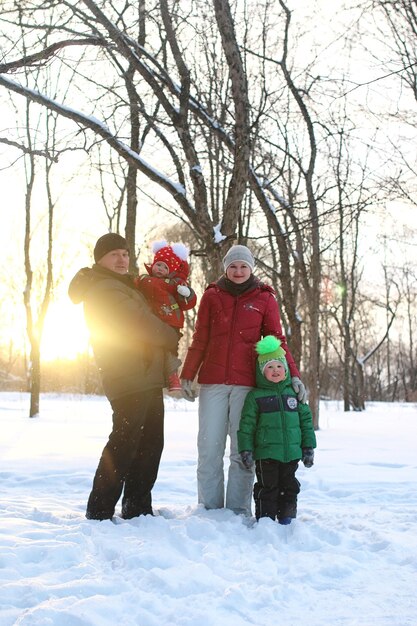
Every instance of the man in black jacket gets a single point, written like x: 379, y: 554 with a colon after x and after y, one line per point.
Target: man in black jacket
x: 128, y: 341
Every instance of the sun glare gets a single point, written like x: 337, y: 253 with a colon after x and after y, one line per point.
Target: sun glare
x: 65, y: 334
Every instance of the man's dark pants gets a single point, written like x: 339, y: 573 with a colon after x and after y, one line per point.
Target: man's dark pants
x: 130, y: 460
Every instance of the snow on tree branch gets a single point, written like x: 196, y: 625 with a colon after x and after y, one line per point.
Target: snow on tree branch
x: 92, y: 123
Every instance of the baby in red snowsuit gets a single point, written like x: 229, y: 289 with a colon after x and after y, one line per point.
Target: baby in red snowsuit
x: 166, y: 289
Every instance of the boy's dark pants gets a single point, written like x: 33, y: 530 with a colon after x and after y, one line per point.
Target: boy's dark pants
x: 130, y: 459
x: 276, y: 489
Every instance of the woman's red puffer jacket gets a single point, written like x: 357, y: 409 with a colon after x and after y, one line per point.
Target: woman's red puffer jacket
x: 228, y: 327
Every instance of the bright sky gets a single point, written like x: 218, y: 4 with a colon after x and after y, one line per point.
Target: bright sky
x: 65, y: 334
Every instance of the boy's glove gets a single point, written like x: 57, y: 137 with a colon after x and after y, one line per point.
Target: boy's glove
x: 308, y: 457
x: 183, y: 290
x: 247, y: 458
x: 299, y: 389
x: 187, y: 391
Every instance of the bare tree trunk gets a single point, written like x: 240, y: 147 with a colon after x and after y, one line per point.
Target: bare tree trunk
x: 358, y: 388
x: 344, y: 323
x: 33, y: 366
x: 35, y: 378
x: 132, y: 171
x: 35, y: 320
x: 311, y: 276
x: 410, y: 300
x: 360, y: 363
x: 239, y: 179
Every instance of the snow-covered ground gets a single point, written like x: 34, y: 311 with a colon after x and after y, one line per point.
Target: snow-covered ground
x: 350, y: 558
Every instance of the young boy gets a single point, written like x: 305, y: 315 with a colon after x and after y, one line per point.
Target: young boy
x: 166, y: 289
x: 276, y: 431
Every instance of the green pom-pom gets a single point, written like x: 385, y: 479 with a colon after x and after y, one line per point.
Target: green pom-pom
x: 268, y: 344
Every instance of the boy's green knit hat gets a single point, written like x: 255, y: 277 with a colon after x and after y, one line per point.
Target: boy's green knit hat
x: 269, y: 349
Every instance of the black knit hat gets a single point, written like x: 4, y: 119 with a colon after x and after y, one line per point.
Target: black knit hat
x: 107, y: 243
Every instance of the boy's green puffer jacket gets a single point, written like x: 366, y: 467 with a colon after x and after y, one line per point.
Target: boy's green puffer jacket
x: 274, y: 425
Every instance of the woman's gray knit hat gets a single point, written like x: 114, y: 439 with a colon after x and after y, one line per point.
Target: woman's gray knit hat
x: 239, y: 253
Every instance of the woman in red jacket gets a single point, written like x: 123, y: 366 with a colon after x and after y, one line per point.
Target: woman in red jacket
x: 234, y: 314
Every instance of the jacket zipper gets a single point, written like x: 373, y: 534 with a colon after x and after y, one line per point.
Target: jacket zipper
x: 229, y: 351
x: 284, y: 430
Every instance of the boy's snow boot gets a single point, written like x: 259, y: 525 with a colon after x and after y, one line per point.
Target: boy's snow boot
x: 285, y: 520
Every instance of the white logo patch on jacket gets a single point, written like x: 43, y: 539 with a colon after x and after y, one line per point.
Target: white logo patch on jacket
x: 291, y: 403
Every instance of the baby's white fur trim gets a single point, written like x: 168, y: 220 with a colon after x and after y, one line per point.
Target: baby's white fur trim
x: 158, y: 245
x: 180, y: 250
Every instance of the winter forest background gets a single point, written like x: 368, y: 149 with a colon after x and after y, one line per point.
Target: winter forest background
x: 286, y: 126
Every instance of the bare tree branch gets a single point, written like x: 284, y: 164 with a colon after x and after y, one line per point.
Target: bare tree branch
x: 176, y: 190
x: 41, y: 57
x: 28, y: 150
